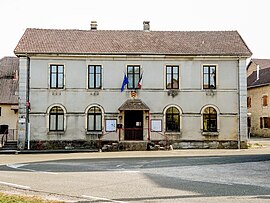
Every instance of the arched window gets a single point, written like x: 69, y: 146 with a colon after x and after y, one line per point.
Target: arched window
x: 94, y: 119
x: 210, y: 120
x: 56, y: 119
x: 172, y: 120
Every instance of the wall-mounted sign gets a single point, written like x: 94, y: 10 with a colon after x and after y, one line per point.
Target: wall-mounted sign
x: 156, y: 125
x: 110, y: 125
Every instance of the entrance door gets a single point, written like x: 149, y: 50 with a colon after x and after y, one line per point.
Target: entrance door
x: 133, y: 125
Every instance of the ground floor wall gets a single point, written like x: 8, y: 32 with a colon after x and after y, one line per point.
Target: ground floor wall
x: 191, y: 135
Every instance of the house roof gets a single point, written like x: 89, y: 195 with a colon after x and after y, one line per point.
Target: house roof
x: 8, y: 65
x: 263, y: 63
x: 194, y: 43
x: 133, y: 104
x: 264, y: 78
x: 8, y: 86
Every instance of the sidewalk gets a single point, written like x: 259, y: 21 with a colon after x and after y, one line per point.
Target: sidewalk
x: 258, y: 146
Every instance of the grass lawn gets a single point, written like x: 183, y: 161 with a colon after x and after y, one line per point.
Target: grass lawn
x: 9, y: 198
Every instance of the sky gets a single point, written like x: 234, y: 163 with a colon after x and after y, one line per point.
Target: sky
x: 249, y: 17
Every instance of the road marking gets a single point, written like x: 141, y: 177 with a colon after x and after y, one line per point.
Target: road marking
x: 19, y: 167
x: 15, y: 185
x: 100, y: 198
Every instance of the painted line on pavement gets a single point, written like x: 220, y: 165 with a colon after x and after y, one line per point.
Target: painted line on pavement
x: 18, y: 167
x: 100, y: 198
x: 15, y: 185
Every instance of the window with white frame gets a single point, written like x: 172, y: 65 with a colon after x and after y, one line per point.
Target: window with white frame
x: 172, y: 120
x: 172, y: 77
x: 56, y: 119
x: 56, y: 76
x: 133, y: 75
x: 94, y: 76
x: 209, y: 77
x: 94, y: 119
x: 209, y: 120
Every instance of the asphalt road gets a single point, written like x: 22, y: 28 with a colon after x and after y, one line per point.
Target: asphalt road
x: 244, y: 178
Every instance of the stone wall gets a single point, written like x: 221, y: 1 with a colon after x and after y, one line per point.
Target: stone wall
x: 257, y: 110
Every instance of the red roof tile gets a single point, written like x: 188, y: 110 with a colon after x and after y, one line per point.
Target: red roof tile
x: 51, y: 41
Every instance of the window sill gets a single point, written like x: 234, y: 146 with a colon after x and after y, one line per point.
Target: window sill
x: 210, y: 133
x: 93, y: 132
x: 55, y: 132
x: 173, y: 133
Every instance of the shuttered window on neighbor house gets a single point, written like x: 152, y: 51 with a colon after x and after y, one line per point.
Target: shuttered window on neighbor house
x: 264, y: 122
x: 249, y: 102
x: 265, y: 100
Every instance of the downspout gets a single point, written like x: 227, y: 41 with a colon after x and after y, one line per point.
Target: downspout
x: 149, y: 138
x: 27, y: 105
x: 239, y: 108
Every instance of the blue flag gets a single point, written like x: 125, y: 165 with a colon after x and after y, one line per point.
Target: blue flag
x: 125, y: 82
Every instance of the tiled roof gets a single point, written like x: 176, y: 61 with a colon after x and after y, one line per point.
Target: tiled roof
x: 52, y: 41
x: 133, y: 104
x: 8, y: 86
x: 263, y: 63
x: 8, y: 65
x: 264, y: 78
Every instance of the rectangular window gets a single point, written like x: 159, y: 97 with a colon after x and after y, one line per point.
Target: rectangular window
x: 133, y: 74
x: 172, y: 77
x: 56, y: 76
x: 249, y: 102
x: 94, y: 77
x: 94, y: 122
x: 265, y: 101
x: 264, y: 122
x: 56, y: 122
x: 209, y: 77
x: 249, y: 122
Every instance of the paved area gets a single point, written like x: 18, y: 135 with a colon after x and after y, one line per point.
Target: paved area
x: 258, y: 146
x: 155, y: 176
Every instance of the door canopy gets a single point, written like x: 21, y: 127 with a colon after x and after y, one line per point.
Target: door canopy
x: 134, y: 105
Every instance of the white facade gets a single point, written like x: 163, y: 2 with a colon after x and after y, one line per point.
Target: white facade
x: 190, y: 99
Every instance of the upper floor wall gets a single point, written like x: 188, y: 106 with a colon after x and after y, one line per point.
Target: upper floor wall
x: 153, y: 71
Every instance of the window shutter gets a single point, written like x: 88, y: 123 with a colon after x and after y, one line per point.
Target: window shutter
x: 268, y: 122
x: 261, y: 122
x: 265, y: 98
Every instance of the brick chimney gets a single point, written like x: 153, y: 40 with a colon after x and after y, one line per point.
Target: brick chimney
x: 146, y: 25
x: 93, y: 25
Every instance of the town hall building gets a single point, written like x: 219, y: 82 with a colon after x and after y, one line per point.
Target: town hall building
x: 88, y: 88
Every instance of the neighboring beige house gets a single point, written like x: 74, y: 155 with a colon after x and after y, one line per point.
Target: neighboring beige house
x: 258, y: 84
x: 9, y: 67
x: 130, y: 88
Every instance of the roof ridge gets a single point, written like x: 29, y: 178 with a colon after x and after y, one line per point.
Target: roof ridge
x: 188, y: 31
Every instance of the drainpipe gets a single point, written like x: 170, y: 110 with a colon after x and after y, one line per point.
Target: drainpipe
x: 28, y: 104
x: 239, y: 108
x: 149, y: 138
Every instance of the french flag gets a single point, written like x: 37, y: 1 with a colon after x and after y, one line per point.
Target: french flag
x: 140, y: 82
